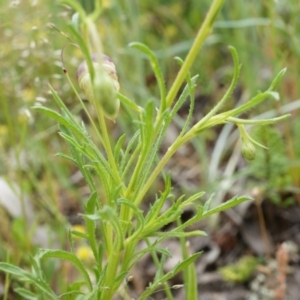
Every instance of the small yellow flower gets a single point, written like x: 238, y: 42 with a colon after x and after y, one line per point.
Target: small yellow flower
x: 28, y: 95
x: 171, y: 31
x: 3, y: 135
x: 78, y: 228
x: 106, y: 3
x: 85, y: 253
x: 24, y: 116
x: 3, y: 131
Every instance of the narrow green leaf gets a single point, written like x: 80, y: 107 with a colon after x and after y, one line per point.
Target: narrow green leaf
x: 90, y: 205
x: 91, y: 296
x: 71, y: 242
x: 23, y: 275
x: 258, y: 121
x: 14, y: 270
x: 79, y: 234
x: 59, y: 118
x: 160, y: 267
x: 129, y: 147
x: 119, y: 279
x: 149, y: 122
x: 193, y: 220
x: 85, y: 50
x: 156, y: 70
x: 126, y: 167
x: 158, y: 203
x: 109, y: 215
x: 191, y: 199
x: 89, y: 208
x: 220, y: 104
x: 71, y: 140
x: 76, y: 6
x: 190, y: 281
x: 26, y: 294
x: 174, y: 233
x: 139, y: 216
x: 181, y: 266
x: 207, y: 204
x: 129, y: 103
x: 248, y: 105
x: 118, y: 147
x: 61, y: 105
x: 138, y: 255
x: 168, y: 217
x: 72, y: 294
x: 228, y: 204
x: 277, y: 79
x: 64, y: 255
x: 191, y: 86
x: 75, y: 21
x: 36, y: 267
x: 62, y: 155
x: 182, y: 98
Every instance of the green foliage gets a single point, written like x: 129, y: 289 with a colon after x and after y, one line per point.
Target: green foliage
x: 120, y: 173
x: 272, y: 168
x: 240, y: 271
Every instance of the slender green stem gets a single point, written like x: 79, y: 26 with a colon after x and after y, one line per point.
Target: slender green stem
x: 132, y: 187
x: 157, y: 264
x: 106, y: 142
x: 112, y: 267
x: 107, y: 146
x: 174, y: 147
x: 200, y: 38
x: 130, y: 161
x: 107, y: 236
x: 128, y: 256
x: 84, y: 108
x: 125, y: 211
x: 124, y: 214
x: 189, y: 274
x: 228, y: 92
x: 180, y: 141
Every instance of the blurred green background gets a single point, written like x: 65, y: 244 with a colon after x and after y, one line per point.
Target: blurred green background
x: 33, y: 33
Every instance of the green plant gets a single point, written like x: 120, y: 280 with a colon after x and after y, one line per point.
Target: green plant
x: 241, y: 270
x: 120, y: 174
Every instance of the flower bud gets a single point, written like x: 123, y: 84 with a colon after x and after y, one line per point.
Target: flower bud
x: 248, y: 149
x: 105, y: 85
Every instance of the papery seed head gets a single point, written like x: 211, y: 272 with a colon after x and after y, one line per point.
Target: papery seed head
x: 107, y: 64
x: 105, y: 85
x: 105, y: 88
